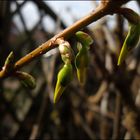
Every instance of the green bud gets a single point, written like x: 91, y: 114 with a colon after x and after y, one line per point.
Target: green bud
x: 130, y: 42
x: 81, y: 63
x: 84, y: 38
x: 66, y: 52
x: 9, y: 62
x: 64, y: 77
x: 27, y: 79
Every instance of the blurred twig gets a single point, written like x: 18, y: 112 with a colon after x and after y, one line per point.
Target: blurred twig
x: 117, y: 119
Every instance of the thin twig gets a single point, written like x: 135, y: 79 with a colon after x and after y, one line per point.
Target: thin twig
x: 84, y: 125
x: 117, y: 119
x: 36, y: 127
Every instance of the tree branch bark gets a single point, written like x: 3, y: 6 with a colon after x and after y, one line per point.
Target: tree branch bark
x: 105, y: 8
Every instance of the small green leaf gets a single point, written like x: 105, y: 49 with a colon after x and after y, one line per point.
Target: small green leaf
x: 64, y: 77
x: 27, y: 79
x: 130, y: 42
x: 84, y: 38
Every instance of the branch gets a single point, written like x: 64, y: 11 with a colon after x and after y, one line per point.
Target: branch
x: 105, y: 8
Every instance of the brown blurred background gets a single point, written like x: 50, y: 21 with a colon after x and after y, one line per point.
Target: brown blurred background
x: 107, y: 107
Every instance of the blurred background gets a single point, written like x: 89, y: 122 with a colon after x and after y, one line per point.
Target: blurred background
x: 106, y: 107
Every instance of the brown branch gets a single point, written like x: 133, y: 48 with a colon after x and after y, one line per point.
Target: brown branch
x: 129, y: 14
x: 104, y: 8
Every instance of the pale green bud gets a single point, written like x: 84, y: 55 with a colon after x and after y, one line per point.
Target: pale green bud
x: 9, y: 62
x: 66, y: 52
x: 64, y: 77
x: 84, y: 38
